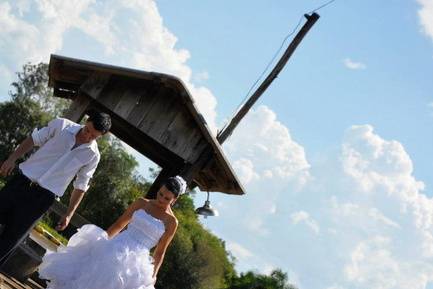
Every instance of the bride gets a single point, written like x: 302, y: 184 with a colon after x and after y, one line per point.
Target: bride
x: 96, y: 259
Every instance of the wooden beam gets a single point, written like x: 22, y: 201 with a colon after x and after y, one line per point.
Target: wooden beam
x: 144, y: 144
x: 227, y: 131
x: 162, y: 176
x: 78, y: 108
x: 95, y: 83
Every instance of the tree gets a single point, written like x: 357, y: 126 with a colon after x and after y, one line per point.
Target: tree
x: 32, y: 105
x: 32, y: 85
x: 196, y: 259
x: 250, y: 280
x: 17, y: 120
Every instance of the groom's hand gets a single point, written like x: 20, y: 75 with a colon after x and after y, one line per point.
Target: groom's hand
x: 63, y: 223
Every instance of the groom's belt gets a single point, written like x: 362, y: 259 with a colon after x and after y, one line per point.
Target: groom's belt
x: 32, y: 184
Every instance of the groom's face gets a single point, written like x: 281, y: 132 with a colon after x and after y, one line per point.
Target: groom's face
x: 88, y: 133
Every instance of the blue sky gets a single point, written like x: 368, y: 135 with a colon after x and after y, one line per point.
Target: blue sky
x: 337, y: 155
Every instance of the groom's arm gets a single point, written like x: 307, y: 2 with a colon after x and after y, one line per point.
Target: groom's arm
x: 81, y: 185
x: 9, y: 164
x: 74, y: 201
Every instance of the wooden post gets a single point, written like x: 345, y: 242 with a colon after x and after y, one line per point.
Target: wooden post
x: 227, y: 131
x: 163, y: 175
x: 78, y: 108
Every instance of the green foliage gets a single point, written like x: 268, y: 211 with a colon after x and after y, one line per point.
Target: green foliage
x: 32, y: 105
x: 250, y: 280
x: 17, y: 120
x: 196, y: 258
x: 32, y: 85
x: 54, y: 233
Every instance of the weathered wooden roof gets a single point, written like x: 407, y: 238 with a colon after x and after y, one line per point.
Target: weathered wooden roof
x: 152, y: 112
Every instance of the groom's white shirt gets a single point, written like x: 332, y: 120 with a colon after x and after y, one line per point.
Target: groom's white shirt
x: 56, y: 163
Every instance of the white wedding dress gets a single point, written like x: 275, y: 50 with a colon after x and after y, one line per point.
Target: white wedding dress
x: 92, y: 261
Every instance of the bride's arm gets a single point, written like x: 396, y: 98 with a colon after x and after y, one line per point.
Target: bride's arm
x: 126, y: 217
x: 158, y: 254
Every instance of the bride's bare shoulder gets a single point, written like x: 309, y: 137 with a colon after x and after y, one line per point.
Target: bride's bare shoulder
x: 171, y: 219
x: 142, y: 202
x: 143, y: 199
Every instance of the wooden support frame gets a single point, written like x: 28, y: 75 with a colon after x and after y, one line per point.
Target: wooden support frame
x: 78, y: 108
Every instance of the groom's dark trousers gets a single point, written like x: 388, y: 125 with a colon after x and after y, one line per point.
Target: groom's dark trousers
x: 22, y: 203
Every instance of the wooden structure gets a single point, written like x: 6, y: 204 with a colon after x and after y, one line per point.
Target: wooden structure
x: 7, y: 282
x: 152, y: 112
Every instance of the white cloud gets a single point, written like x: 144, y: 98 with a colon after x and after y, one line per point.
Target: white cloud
x: 425, y: 14
x: 335, y: 287
x: 304, y: 217
x: 382, y: 175
x: 353, y: 64
x: 360, y: 215
x: 238, y: 250
x: 267, y: 161
x: 375, y: 221
x: 201, y: 76
x: 127, y: 33
x: 269, y: 147
x: 373, y: 265
x: 6, y: 78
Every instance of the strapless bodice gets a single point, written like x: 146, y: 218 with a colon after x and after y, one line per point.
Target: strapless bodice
x: 144, y: 229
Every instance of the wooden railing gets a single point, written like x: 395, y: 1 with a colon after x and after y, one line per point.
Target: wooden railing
x: 60, y: 210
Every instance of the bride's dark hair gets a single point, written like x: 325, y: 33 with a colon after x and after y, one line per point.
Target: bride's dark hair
x: 174, y: 185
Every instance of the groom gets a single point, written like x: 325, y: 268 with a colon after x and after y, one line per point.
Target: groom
x: 66, y: 150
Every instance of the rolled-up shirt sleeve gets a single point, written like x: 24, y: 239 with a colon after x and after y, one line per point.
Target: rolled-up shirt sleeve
x: 85, y: 174
x: 41, y: 136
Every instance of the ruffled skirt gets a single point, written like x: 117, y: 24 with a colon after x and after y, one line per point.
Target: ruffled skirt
x: 92, y: 261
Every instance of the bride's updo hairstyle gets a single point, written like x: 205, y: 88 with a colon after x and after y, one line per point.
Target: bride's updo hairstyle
x: 176, y: 185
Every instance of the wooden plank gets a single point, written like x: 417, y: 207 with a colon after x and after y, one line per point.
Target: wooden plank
x: 149, y: 95
x: 112, y: 93
x: 77, y: 220
x: 8, y: 282
x: 78, y: 108
x: 195, y: 149
x: 61, y: 72
x: 95, y: 83
x: 162, y: 128
x: 182, y: 135
x: 152, y: 115
x: 129, y: 99
x: 144, y: 144
x: 66, y: 67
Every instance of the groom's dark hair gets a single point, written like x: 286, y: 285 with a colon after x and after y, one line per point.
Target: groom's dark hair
x: 100, y: 120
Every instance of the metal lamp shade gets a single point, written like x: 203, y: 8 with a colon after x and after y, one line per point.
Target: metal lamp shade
x: 206, y: 210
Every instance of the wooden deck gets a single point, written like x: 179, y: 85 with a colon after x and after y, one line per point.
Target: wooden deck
x: 7, y: 282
